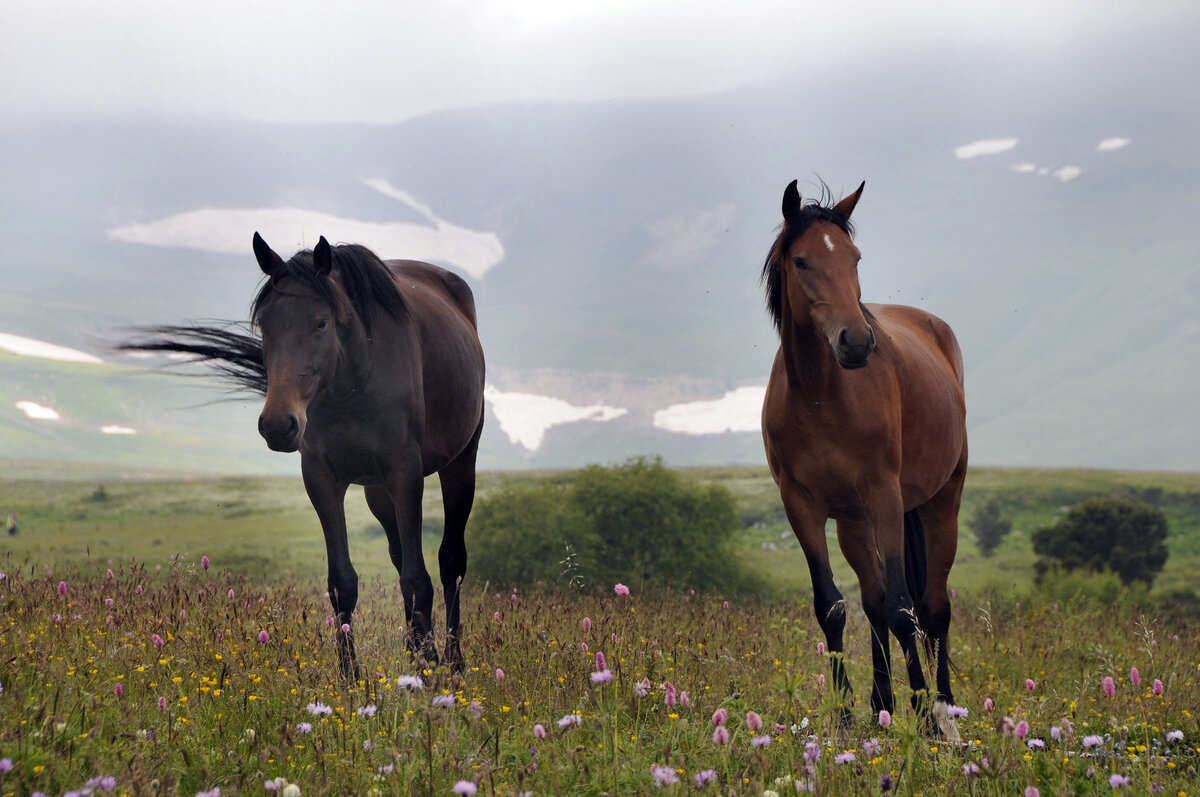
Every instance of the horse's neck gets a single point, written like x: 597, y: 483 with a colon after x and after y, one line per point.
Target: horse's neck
x: 807, y: 357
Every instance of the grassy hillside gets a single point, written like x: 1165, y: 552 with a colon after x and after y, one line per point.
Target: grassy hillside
x: 265, y: 527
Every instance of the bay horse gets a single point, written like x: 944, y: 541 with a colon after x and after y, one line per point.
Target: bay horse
x: 373, y: 371
x: 864, y: 421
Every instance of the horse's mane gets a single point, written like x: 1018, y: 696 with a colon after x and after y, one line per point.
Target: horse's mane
x: 363, y: 284
x: 792, y: 228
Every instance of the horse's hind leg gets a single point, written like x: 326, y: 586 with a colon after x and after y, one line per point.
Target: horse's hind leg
x: 939, y: 516
x: 458, y: 495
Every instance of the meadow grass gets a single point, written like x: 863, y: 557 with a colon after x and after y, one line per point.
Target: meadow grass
x: 172, y: 679
x: 186, y: 680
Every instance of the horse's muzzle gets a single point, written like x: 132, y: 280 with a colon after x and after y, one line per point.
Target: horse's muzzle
x: 851, y: 352
x: 281, y: 432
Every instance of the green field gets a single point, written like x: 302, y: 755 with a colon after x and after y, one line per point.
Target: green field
x: 174, y: 680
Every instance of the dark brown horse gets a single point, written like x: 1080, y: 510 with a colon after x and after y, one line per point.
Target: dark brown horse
x: 373, y: 371
x: 864, y: 422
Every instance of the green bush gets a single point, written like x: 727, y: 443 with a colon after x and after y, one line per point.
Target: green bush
x: 1106, y: 534
x: 638, y: 523
x: 989, y: 526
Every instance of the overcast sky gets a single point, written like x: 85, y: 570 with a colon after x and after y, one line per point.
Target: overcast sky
x: 388, y: 61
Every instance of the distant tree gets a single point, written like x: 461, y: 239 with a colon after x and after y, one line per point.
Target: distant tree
x: 1101, y: 534
x: 989, y: 526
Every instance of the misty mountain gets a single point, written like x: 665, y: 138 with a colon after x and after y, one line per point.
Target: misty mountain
x: 632, y: 237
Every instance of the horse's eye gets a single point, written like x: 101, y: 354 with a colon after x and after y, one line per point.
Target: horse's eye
x: 800, y: 263
x: 324, y: 322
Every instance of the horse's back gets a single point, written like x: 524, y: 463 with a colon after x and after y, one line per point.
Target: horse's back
x: 443, y: 281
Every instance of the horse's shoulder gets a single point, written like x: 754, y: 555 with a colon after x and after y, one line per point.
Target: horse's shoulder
x: 921, y: 325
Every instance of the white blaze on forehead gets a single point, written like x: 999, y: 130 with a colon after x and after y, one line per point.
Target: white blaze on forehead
x: 828, y: 242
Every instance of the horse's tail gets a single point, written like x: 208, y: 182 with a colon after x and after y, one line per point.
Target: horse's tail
x: 232, y: 350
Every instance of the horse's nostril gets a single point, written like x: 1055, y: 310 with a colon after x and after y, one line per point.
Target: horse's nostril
x: 843, y: 343
x: 260, y: 425
x: 293, y: 425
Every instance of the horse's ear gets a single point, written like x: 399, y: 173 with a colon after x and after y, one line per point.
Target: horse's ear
x: 323, y: 257
x: 268, y: 261
x: 791, y: 201
x: 846, y: 206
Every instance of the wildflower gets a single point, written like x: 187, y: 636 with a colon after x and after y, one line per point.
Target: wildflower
x: 720, y: 735
x: 753, y: 721
x: 684, y: 699
x: 970, y: 768
x: 663, y: 776
x: 6, y: 764
x: 139, y: 589
x: 845, y: 758
x: 1092, y: 741
x: 1035, y: 744
x: 719, y: 716
x: 1157, y: 688
x: 724, y: 604
x: 109, y: 602
x: 704, y: 777
x: 215, y: 791
x: 760, y: 741
x: 162, y: 704
x: 1110, y: 688
x: 989, y: 705
x: 291, y: 790
x: 587, y: 625
x: 812, y: 751
x: 499, y: 674
x: 345, y: 628
x: 304, y: 727
x: 1055, y: 732
x: 110, y: 574
x: 118, y: 690
x: 601, y: 662
x: 62, y: 588
x: 885, y: 718
x: 273, y: 785
x: 1118, y: 781
x: 157, y: 640
x: 570, y: 719
x: 318, y: 709
x: 443, y: 701
x: 957, y: 711
x: 412, y: 682
x: 366, y: 711
x: 465, y: 787
x: 263, y: 636
x: 821, y: 648
x: 1022, y: 729
x: 203, y: 562
x: 1030, y: 684
x: 249, y: 734
x: 539, y: 731
x: 1175, y: 736
x: 1135, y: 677
x: 1031, y: 791
x: 669, y: 697
x: 621, y: 590
x: 886, y: 783
x: 602, y: 676
x: 821, y: 679
x: 1007, y: 726
x: 475, y: 708
x: 872, y: 747
x: 367, y: 745
x: 642, y: 687
x: 386, y: 769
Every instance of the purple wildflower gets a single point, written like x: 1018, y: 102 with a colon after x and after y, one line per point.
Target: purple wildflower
x: 663, y: 776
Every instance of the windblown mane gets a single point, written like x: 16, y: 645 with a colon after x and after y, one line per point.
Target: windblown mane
x: 792, y: 228
x: 361, y: 283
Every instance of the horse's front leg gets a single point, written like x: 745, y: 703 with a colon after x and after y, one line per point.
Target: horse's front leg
x: 328, y: 498
x: 886, y: 514
x: 808, y: 524
x: 406, y: 487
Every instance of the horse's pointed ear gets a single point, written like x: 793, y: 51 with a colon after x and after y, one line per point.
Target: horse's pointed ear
x: 268, y: 261
x: 846, y: 206
x: 791, y: 201
x: 323, y: 257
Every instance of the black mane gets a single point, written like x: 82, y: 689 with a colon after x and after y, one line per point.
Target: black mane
x: 792, y: 228
x: 361, y: 283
